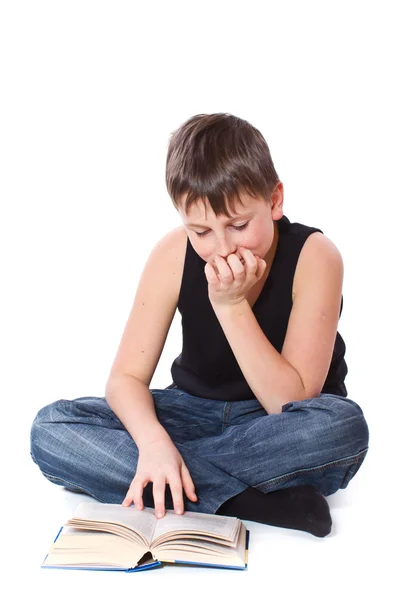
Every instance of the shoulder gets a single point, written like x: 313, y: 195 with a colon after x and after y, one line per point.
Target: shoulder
x: 175, y: 239
x: 173, y: 248
x: 319, y: 244
x: 319, y: 258
x: 166, y: 261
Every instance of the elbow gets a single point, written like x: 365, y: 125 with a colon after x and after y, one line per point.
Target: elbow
x: 272, y: 406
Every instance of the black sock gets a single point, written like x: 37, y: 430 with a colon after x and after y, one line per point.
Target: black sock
x: 300, y: 507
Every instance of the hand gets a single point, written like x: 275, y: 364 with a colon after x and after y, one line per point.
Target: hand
x: 235, y: 279
x: 160, y: 462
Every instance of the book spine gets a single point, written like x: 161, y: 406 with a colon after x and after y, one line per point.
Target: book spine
x: 58, y: 535
x: 246, y: 556
x: 55, y: 539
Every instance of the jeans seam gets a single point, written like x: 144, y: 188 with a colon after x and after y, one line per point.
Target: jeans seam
x: 225, y: 416
x: 348, y: 460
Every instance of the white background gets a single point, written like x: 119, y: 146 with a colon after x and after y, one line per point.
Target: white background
x: 90, y: 93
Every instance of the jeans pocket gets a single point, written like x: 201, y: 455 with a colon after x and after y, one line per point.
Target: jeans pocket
x: 174, y: 387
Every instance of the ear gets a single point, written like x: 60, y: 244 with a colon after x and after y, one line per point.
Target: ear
x: 276, y: 201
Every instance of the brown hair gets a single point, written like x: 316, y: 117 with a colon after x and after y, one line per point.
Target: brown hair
x: 216, y: 156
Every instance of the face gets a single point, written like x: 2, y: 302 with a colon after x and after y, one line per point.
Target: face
x: 253, y: 226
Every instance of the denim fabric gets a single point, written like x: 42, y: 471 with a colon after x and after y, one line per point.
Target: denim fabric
x: 227, y: 446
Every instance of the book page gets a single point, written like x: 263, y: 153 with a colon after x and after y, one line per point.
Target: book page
x: 217, y: 526
x: 198, y: 538
x: 142, y: 521
x: 226, y: 557
x: 92, y: 549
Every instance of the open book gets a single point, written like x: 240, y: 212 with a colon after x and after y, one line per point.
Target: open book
x: 113, y: 537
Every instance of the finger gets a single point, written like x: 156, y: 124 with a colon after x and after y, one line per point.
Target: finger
x: 238, y: 265
x: 175, y: 485
x: 225, y: 272
x: 188, y: 484
x: 210, y: 273
x: 249, y: 258
x: 261, y: 266
x: 135, y: 494
x: 127, y: 501
x: 129, y: 498
x: 159, y: 497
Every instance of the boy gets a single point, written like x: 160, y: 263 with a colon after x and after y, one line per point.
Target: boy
x: 256, y: 421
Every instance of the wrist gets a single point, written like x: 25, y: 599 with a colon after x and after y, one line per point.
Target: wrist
x: 152, y: 436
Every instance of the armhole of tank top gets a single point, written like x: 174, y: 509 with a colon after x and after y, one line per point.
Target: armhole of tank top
x: 183, y: 249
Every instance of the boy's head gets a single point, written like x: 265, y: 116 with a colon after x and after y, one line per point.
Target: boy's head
x: 219, y: 167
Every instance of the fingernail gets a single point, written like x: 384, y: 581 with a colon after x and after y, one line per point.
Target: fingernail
x: 159, y: 513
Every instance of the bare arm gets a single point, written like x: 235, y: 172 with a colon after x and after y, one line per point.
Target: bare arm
x: 131, y: 400
x: 159, y: 460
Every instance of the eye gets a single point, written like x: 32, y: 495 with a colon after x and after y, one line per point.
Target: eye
x: 238, y: 228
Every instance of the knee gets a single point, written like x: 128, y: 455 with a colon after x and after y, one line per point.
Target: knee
x: 41, y: 429
x: 346, y: 422
x: 349, y: 419
x: 333, y: 419
x: 52, y: 413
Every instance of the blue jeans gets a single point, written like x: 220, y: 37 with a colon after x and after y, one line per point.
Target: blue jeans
x: 227, y: 446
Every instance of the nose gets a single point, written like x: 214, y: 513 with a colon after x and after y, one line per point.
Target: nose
x: 225, y: 248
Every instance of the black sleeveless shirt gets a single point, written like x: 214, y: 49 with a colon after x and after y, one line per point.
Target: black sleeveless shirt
x: 207, y: 367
